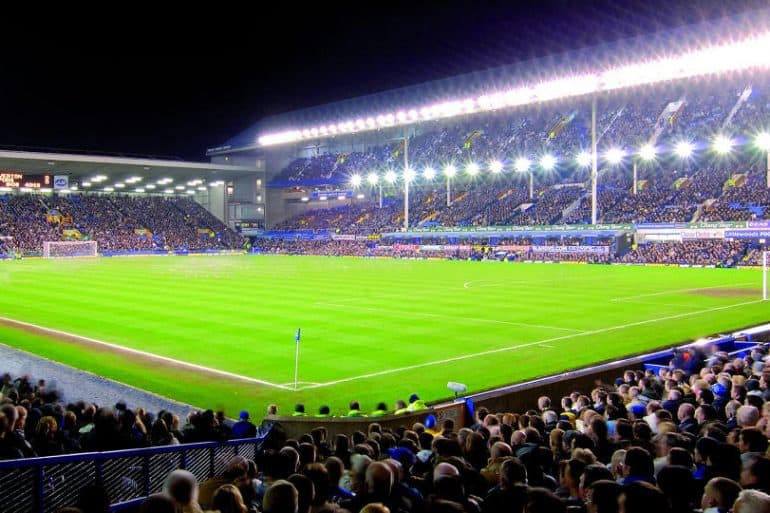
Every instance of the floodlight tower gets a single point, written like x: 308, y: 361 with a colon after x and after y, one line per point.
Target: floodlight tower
x: 522, y: 165
x: 763, y: 143
x: 594, y: 161
x: 647, y: 154
x: 450, y: 171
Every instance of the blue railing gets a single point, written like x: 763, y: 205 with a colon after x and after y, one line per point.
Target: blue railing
x: 43, y: 485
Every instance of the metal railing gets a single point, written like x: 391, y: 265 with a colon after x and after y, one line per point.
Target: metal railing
x: 43, y: 485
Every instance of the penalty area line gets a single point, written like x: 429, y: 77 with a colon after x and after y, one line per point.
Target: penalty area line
x: 675, y: 291
x: 528, y: 344
x: 21, y: 324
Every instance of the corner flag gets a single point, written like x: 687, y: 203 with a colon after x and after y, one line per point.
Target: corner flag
x: 296, y: 357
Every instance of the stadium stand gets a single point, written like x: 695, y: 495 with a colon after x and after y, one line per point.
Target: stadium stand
x: 685, y: 429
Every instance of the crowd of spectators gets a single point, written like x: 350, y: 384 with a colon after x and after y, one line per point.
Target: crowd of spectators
x: 697, y: 252
x: 690, y: 436
x: 117, y: 223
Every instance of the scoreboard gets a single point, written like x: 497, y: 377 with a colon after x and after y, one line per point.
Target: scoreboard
x: 15, y: 180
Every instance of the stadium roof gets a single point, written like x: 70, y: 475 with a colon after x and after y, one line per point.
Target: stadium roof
x: 82, y: 168
x: 488, y: 82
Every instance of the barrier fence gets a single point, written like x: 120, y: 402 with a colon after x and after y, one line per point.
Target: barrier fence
x: 43, y: 485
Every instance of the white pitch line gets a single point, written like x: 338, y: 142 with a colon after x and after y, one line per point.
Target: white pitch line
x: 453, y: 317
x: 145, y: 354
x: 520, y: 346
x: 663, y: 293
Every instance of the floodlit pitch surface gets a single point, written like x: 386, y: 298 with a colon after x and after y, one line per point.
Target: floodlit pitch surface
x: 372, y: 330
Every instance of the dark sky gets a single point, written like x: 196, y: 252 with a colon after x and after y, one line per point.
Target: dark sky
x: 174, y: 83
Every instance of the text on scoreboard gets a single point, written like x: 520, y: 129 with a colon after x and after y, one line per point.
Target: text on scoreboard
x: 16, y: 180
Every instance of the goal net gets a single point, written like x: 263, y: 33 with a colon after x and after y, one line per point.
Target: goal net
x: 69, y: 249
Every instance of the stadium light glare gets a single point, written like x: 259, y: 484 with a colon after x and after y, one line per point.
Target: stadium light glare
x: 409, y: 174
x: 473, y: 169
x: 108, y: 189
x: 179, y: 187
x: 496, y: 167
x: 522, y: 165
x: 584, y: 159
x: 150, y: 186
x: 450, y: 171
x: 356, y: 180
x: 548, y: 162
x: 86, y: 184
x: 202, y: 188
x: 429, y: 173
x: 139, y: 189
x: 390, y: 176
x: 723, y: 144
x: 762, y: 141
x: 120, y: 185
x: 684, y: 149
x: 372, y: 178
x: 648, y: 152
x: 304, y: 199
x: 614, y: 155
x: 733, y: 56
x: 169, y: 191
x: 360, y: 196
x: 190, y: 192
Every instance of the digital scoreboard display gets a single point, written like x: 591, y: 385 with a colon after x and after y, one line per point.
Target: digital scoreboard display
x: 16, y: 180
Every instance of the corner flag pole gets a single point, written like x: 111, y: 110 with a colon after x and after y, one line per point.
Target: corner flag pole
x: 296, y: 358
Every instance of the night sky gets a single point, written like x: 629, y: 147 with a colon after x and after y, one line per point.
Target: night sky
x: 172, y: 84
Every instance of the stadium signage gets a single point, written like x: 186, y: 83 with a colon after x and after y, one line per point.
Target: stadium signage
x: 16, y: 180
x: 594, y: 250
x: 747, y: 234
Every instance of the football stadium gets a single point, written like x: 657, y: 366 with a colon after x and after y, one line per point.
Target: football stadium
x: 538, y: 287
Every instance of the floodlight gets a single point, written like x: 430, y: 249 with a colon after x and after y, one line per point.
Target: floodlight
x: 584, y: 159
x: 684, y: 149
x: 450, y: 170
x: 409, y: 174
x: 522, y: 165
x: 763, y: 141
x: 473, y: 169
x: 179, y: 187
x: 120, y: 185
x: 648, y: 152
x: 355, y: 180
x: 429, y: 173
x: 614, y: 155
x: 548, y: 162
x: 108, y: 189
x: 190, y: 192
x: 169, y: 191
x: 390, y: 176
x: 304, y: 199
x: 150, y: 186
x: 372, y: 178
x: 86, y: 184
x: 496, y: 166
x: 139, y: 189
x: 723, y: 144
x: 360, y: 196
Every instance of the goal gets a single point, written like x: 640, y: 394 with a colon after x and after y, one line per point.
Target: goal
x: 69, y: 249
x: 764, y: 275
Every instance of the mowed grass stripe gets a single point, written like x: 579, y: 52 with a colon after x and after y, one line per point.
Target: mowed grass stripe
x: 240, y: 313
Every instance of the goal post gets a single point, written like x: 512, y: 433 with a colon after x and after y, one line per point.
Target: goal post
x: 69, y: 249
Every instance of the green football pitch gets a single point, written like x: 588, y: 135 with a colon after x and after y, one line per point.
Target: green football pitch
x: 219, y: 332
